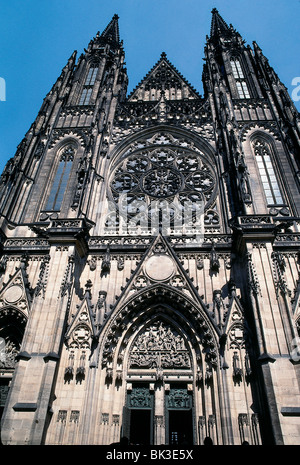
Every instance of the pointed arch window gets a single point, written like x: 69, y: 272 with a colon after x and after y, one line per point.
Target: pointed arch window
x: 236, y: 68
x: 91, y: 77
x: 267, y: 173
x: 239, y: 77
x: 85, y: 96
x: 88, y: 85
x: 61, y: 179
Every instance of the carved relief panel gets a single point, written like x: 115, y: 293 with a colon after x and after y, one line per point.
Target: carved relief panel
x: 159, y: 346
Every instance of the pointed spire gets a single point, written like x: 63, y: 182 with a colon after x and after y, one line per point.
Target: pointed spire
x: 72, y: 58
x: 256, y: 47
x: 111, y: 32
x: 218, y: 25
x: 71, y: 61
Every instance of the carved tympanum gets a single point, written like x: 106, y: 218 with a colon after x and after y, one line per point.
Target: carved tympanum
x: 159, y: 346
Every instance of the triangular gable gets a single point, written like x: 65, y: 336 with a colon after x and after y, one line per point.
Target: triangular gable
x: 234, y: 324
x: 82, y: 328
x: 160, y: 265
x: 15, y: 293
x: 163, y: 77
x: 159, y: 278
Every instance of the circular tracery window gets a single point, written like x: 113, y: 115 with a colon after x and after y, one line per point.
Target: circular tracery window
x: 161, y: 182
x: 169, y: 174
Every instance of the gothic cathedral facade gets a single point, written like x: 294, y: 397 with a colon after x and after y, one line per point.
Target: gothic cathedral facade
x: 150, y: 255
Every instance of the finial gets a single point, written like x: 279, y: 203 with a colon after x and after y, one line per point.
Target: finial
x: 163, y: 55
x: 214, y: 10
x: 88, y: 287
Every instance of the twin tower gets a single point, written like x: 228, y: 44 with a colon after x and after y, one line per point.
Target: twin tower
x: 150, y: 258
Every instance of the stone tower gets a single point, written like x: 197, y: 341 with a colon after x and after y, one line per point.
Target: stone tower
x: 150, y: 255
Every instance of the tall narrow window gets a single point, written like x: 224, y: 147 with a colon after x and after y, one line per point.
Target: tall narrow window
x: 238, y: 74
x: 267, y: 173
x: 85, y: 96
x: 91, y: 77
x: 61, y: 179
x: 88, y: 86
x: 236, y: 68
x: 242, y: 89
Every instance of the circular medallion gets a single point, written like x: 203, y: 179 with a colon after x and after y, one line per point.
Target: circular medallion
x: 81, y: 333
x: 201, y: 181
x: 159, y: 267
x: 13, y: 294
x: 161, y: 182
x: 124, y: 182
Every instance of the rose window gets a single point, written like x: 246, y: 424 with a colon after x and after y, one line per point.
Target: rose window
x: 162, y: 174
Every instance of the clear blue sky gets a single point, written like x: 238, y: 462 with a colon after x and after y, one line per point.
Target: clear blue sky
x: 38, y: 36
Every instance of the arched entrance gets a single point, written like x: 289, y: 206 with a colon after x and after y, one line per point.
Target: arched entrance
x: 163, y: 355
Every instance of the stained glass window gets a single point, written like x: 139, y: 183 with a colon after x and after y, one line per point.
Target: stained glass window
x: 161, y: 185
x: 88, y: 86
x: 238, y: 74
x: 61, y: 179
x: 85, y: 96
x: 242, y: 89
x: 236, y: 68
x: 267, y: 173
x: 91, y: 77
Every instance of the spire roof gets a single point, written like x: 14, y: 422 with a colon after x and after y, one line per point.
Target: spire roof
x: 112, y: 29
x: 111, y: 32
x: 218, y: 25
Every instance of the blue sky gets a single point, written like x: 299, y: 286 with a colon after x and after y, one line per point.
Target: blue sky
x: 38, y: 36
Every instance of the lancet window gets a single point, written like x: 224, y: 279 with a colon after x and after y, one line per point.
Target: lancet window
x: 61, y: 179
x: 239, y: 77
x: 88, y: 86
x: 267, y: 173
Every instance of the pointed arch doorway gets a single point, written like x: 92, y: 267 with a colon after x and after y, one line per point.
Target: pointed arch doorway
x: 161, y: 340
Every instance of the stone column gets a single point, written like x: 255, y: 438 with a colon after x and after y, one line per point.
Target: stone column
x: 159, y: 416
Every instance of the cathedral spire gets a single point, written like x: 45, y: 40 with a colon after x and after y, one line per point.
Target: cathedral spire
x: 218, y: 25
x: 111, y: 32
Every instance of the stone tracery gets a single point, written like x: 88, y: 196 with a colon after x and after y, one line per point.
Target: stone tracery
x: 162, y: 172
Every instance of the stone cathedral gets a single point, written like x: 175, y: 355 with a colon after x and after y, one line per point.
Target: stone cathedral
x: 150, y: 259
